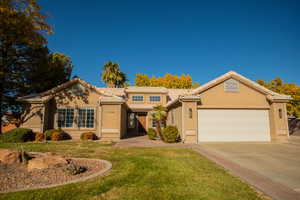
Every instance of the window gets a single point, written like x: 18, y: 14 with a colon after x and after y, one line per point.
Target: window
x: 137, y: 98
x: 154, y: 123
x: 280, y: 113
x: 155, y: 98
x: 86, y: 118
x: 190, y: 113
x: 131, y: 120
x: 65, y: 117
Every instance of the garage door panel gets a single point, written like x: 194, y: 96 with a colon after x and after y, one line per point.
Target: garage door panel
x: 225, y: 125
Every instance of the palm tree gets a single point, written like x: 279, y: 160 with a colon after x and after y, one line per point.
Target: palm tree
x: 112, y: 76
x: 159, y: 115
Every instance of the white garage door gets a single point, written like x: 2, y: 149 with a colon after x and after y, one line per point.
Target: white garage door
x: 225, y: 125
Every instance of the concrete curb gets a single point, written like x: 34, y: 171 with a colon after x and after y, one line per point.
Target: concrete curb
x: 102, y: 172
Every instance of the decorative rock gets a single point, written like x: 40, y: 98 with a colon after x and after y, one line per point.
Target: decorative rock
x: 51, y: 154
x: 9, y: 156
x: 45, y: 162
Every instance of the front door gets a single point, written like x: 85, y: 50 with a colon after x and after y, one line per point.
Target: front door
x: 142, y: 123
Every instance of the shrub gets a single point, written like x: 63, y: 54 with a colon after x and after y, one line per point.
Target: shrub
x: 59, y: 135
x: 170, y: 134
x: 88, y: 136
x: 39, y: 137
x: 18, y: 135
x: 151, y: 134
x: 48, y: 133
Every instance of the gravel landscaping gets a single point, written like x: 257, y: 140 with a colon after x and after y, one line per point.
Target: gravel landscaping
x: 17, y: 177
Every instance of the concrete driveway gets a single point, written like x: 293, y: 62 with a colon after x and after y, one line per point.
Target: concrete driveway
x: 279, y: 162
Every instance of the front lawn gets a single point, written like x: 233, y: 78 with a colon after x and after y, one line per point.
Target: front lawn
x: 141, y: 173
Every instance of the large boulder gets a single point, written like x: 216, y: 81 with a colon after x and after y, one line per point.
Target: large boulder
x: 45, y: 161
x: 10, y: 157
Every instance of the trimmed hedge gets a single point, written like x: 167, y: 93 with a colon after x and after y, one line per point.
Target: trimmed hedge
x: 60, y: 135
x: 88, y: 136
x: 151, y: 134
x: 39, y: 137
x: 56, y: 135
x: 18, y: 135
x: 48, y: 133
x: 170, y: 134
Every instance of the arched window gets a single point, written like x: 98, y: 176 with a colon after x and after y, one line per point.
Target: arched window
x: 190, y: 113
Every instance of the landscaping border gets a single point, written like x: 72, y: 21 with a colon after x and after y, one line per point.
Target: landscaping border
x: 102, y: 172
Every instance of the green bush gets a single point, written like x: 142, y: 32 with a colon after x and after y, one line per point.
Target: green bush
x: 48, y: 133
x: 59, y: 135
x: 88, y: 136
x: 170, y: 134
x: 18, y: 135
x: 151, y: 134
x: 39, y: 137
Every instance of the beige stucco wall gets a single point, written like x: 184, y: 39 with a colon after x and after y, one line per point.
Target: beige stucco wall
x: 177, y: 121
x: 123, y: 120
x: 111, y: 122
x: 70, y: 97
x: 189, y: 125
x: 247, y: 97
x: 163, y: 98
x: 109, y: 119
x: 34, y: 119
x: 278, y: 126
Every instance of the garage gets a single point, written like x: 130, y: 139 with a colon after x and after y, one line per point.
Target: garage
x: 233, y: 125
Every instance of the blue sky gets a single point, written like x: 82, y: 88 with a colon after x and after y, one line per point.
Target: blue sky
x: 259, y: 39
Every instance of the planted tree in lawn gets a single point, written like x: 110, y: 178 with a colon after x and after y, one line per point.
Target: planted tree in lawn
x: 20, y: 35
x: 112, y: 75
x: 159, y: 115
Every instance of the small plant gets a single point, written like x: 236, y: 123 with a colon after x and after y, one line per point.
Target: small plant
x: 170, y: 134
x: 159, y: 115
x: 24, y: 155
x: 39, y: 137
x: 151, y: 134
x: 18, y: 135
x: 88, y: 136
x: 48, y: 133
x: 73, y: 169
x: 57, y: 136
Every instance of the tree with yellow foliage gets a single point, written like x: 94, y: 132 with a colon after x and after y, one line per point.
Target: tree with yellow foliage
x: 277, y: 85
x: 167, y: 81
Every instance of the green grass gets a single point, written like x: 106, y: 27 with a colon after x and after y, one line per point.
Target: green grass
x: 141, y: 173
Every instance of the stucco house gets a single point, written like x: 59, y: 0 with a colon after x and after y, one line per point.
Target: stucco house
x: 227, y: 109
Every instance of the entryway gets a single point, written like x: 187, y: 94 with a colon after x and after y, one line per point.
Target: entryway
x: 136, y: 124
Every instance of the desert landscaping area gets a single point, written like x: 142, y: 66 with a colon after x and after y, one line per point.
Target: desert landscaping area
x: 38, y: 170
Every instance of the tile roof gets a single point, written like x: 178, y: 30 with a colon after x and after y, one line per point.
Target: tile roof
x: 146, y: 89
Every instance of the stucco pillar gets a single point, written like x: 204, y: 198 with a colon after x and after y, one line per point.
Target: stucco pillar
x: 189, y: 121
x: 278, y: 121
